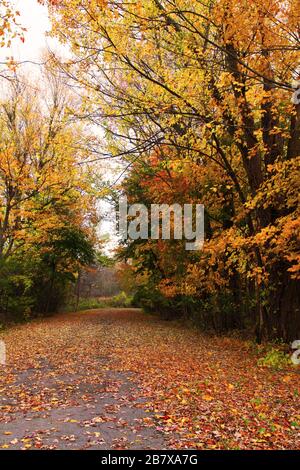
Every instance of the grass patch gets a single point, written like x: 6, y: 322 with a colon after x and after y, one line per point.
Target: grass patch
x: 121, y: 300
x: 275, y: 358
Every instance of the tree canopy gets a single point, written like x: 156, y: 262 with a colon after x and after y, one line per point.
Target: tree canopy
x: 196, y: 97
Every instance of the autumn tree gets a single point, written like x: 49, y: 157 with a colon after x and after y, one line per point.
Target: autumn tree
x: 47, y: 207
x: 10, y: 27
x: 205, y: 87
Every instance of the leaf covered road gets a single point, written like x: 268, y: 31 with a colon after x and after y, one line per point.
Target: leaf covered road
x: 120, y: 379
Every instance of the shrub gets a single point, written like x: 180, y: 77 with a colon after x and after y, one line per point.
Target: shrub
x: 275, y: 358
x: 121, y: 300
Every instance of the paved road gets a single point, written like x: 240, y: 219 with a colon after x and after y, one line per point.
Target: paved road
x: 67, y: 393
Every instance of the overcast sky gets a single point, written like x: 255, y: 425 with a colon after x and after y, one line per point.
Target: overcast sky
x: 34, y: 17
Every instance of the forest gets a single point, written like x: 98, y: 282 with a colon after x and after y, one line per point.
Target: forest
x: 162, y: 102
x: 200, y: 108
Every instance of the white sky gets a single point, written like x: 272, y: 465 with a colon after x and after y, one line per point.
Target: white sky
x: 34, y: 17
